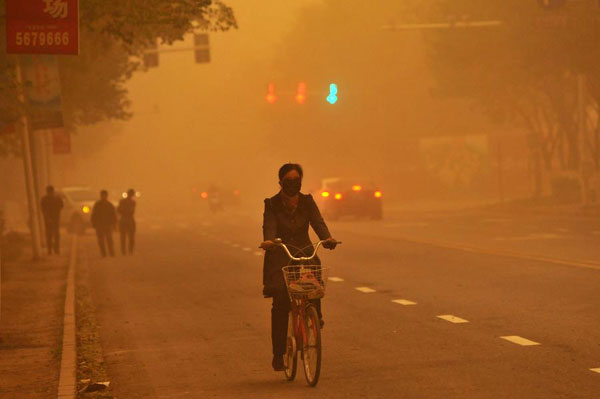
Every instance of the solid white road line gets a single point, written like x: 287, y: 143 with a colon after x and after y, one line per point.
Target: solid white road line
x: 452, y: 318
x: 515, y: 339
x: 336, y: 279
x: 365, y: 290
x: 404, y: 302
x: 596, y: 370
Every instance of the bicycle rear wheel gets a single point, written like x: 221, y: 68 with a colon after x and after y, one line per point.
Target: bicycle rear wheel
x: 311, y: 349
x: 290, y: 359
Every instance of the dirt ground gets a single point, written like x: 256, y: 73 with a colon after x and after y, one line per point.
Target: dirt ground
x: 90, y: 361
x: 31, y: 325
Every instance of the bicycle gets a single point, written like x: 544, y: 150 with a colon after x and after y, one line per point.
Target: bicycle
x: 304, y: 282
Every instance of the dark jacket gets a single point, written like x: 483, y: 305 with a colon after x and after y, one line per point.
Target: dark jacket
x: 104, y: 215
x: 51, y: 206
x: 126, y: 210
x: 292, y: 228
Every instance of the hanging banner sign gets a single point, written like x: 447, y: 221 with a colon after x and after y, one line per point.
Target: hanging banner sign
x: 61, y: 141
x: 40, y: 73
x: 42, y: 27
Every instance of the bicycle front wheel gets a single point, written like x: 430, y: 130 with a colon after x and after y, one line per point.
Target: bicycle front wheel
x: 290, y: 359
x: 311, y: 350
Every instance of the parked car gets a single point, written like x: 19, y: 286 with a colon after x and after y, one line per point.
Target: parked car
x: 77, y: 208
x: 340, y: 197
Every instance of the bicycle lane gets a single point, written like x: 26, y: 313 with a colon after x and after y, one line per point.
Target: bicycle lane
x: 499, y: 296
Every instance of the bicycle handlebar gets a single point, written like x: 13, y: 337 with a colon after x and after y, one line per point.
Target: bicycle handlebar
x: 278, y: 242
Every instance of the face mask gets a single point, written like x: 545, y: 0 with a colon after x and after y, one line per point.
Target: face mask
x: 291, y: 187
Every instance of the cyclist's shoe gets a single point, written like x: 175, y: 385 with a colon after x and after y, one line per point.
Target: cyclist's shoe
x: 277, y: 363
x: 322, y: 323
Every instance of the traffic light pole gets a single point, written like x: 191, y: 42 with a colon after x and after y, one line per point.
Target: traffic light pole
x: 34, y: 220
x: 581, y: 114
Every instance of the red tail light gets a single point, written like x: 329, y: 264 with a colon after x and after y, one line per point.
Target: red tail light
x: 378, y: 194
x: 325, y: 194
x: 338, y: 196
x: 204, y: 195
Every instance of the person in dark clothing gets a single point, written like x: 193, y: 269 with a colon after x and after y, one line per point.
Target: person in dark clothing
x: 104, y: 220
x: 287, y: 216
x: 126, y: 209
x: 51, y: 205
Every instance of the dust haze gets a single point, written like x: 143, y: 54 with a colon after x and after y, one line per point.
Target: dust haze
x: 195, y: 125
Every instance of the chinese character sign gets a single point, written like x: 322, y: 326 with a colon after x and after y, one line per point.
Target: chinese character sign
x: 42, y: 26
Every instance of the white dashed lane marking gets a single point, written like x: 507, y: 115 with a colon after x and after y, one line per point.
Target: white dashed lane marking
x: 515, y: 339
x: 336, y: 279
x: 365, y: 290
x: 246, y: 249
x: 235, y: 245
x: 596, y: 370
x: 404, y: 302
x: 452, y: 318
x: 258, y: 253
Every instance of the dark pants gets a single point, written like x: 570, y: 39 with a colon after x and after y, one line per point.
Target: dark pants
x: 279, y: 320
x: 52, y: 236
x: 104, y: 235
x: 127, y: 230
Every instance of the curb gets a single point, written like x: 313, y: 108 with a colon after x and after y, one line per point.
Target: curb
x: 67, y: 383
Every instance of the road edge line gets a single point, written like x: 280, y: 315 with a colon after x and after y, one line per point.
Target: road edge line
x: 67, y: 383
x: 506, y: 254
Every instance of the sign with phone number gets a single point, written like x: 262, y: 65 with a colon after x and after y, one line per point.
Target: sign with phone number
x: 42, y: 26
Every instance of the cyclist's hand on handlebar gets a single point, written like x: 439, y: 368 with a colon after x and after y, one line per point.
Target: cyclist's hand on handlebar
x: 330, y: 243
x: 266, y: 245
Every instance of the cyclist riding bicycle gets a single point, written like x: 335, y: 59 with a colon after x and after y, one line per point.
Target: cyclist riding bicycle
x: 288, y: 215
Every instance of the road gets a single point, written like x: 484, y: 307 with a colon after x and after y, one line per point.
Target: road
x: 184, y: 316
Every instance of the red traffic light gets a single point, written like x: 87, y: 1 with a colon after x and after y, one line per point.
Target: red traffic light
x: 271, y: 97
x: 301, y: 93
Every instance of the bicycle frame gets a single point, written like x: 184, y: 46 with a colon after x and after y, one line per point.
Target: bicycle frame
x: 298, y: 308
x: 300, y: 312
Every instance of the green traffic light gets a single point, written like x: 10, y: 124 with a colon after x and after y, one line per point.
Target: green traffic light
x: 333, y: 91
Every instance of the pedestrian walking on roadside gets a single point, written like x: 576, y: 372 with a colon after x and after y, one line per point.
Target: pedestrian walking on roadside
x: 104, y: 220
x: 126, y: 211
x: 51, y: 206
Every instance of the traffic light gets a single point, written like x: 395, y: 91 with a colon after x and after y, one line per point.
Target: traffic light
x: 150, y: 57
x: 301, y: 93
x: 201, y: 48
x: 271, y: 97
x: 551, y: 4
x: 333, y: 91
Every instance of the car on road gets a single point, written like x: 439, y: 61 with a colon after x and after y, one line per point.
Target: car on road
x: 339, y: 197
x: 219, y: 198
x: 77, y: 207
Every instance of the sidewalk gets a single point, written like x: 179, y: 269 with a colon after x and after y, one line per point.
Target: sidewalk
x: 31, y: 325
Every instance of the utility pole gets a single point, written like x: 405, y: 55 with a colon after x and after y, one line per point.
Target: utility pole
x: 34, y: 220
